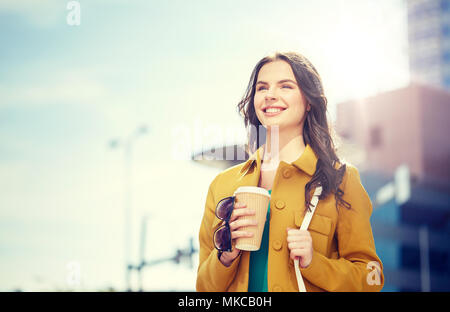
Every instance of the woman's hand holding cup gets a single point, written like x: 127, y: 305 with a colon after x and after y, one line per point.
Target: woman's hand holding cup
x: 236, y: 223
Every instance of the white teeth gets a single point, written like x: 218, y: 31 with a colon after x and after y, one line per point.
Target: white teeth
x: 273, y: 110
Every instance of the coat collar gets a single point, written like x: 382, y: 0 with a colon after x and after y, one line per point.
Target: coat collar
x: 306, y: 162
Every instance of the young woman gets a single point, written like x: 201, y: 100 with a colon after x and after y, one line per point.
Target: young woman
x: 285, y: 108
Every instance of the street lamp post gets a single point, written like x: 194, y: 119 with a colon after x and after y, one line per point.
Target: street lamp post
x: 127, y: 144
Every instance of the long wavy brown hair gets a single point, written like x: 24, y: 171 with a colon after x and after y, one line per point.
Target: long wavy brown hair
x: 316, y: 131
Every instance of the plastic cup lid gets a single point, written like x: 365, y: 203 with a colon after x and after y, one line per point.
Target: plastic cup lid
x: 252, y: 189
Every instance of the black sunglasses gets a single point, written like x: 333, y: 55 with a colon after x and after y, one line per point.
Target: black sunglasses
x: 222, y: 236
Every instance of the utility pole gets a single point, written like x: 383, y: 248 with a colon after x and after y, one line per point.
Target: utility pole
x: 180, y: 254
x: 127, y: 145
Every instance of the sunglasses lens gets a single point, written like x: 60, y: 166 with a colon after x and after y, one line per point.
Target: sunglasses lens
x: 222, y: 238
x: 225, y: 208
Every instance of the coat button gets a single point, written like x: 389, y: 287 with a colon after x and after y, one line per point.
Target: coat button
x: 287, y: 173
x: 277, y: 245
x: 277, y: 288
x: 279, y: 204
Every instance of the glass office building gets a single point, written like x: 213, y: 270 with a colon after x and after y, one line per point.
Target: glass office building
x: 429, y: 41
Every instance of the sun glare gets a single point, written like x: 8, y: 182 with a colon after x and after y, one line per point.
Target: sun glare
x: 358, y: 59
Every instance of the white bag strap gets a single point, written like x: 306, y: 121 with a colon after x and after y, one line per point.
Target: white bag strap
x: 304, y: 227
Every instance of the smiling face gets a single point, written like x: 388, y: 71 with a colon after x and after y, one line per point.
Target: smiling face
x: 278, y: 99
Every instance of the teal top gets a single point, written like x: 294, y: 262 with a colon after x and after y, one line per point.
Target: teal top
x: 257, y: 281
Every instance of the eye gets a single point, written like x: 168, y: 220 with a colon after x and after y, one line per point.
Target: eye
x: 260, y: 88
x: 286, y: 86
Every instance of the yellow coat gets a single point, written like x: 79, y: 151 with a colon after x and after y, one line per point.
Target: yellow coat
x: 344, y: 256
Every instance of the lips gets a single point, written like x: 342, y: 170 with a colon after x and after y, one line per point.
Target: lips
x: 273, y: 110
x: 273, y: 107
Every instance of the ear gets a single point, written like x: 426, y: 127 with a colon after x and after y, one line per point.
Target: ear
x: 308, y: 108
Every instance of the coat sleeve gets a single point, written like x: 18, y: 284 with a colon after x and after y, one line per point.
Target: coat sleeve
x: 358, y: 267
x: 212, y: 275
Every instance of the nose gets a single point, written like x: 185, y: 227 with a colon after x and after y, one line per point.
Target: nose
x: 270, y: 94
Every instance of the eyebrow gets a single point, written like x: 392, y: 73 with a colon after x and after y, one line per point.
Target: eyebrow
x: 281, y: 81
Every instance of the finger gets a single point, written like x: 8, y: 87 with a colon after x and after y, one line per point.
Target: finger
x: 239, y: 234
x: 239, y: 205
x: 291, y: 231
x: 298, y: 253
x: 298, y: 238
x: 298, y: 245
x: 242, y: 212
x: 242, y: 222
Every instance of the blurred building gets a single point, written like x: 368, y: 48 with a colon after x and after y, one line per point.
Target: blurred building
x: 409, y: 127
x: 429, y: 41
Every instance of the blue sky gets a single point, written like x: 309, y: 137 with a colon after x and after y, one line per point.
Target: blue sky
x: 65, y: 91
